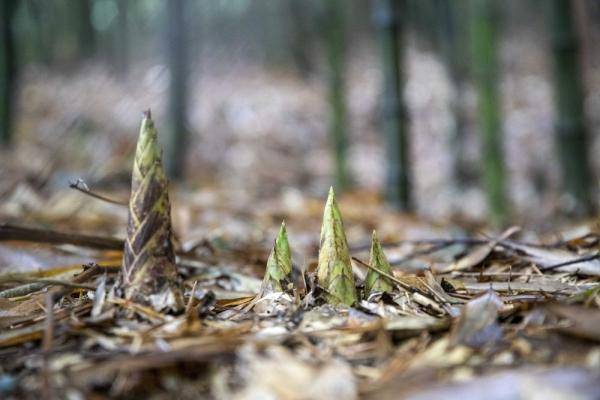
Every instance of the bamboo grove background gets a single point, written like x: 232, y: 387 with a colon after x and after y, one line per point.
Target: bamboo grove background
x: 508, y: 89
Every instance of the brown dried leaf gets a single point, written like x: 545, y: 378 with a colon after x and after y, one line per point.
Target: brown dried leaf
x: 582, y: 322
x: 477, y: 325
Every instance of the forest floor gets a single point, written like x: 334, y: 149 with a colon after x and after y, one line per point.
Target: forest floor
x: 513, y: 315
x: 474, y: 313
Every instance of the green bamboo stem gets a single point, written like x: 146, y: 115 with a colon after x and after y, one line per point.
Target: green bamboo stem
x: 484, y: 26
x: 389, y: 21
x: 8, y: 70
x: 452, y: 37
x: 177, y: 51
x: 335, y: 30
x: 570, y: 127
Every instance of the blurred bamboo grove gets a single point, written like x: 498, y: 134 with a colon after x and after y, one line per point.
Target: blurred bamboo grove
x: 476, y: 108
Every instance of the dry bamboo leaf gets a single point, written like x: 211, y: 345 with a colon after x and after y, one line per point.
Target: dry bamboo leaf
x: 412, y: 325
x: 21, y: 335
x: 480, y: 252
x: 8, y: 314
x: 582, y: 322
x: 477, y: 325
x: 99, y: 297
x: 535, y: 286
x: 20, y: 257
x: 548, y: 258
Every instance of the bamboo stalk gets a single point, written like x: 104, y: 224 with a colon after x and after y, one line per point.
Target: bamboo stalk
x: 389, y: 19
x: 484, y: 25
x: 570, y: 127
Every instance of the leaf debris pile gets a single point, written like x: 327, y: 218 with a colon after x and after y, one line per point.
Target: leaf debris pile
x: 459, y: 319
x: 340, y: 317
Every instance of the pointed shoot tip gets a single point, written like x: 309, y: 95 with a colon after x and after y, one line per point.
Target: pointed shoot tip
x: 282, y: 230
x: 331, y: 195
